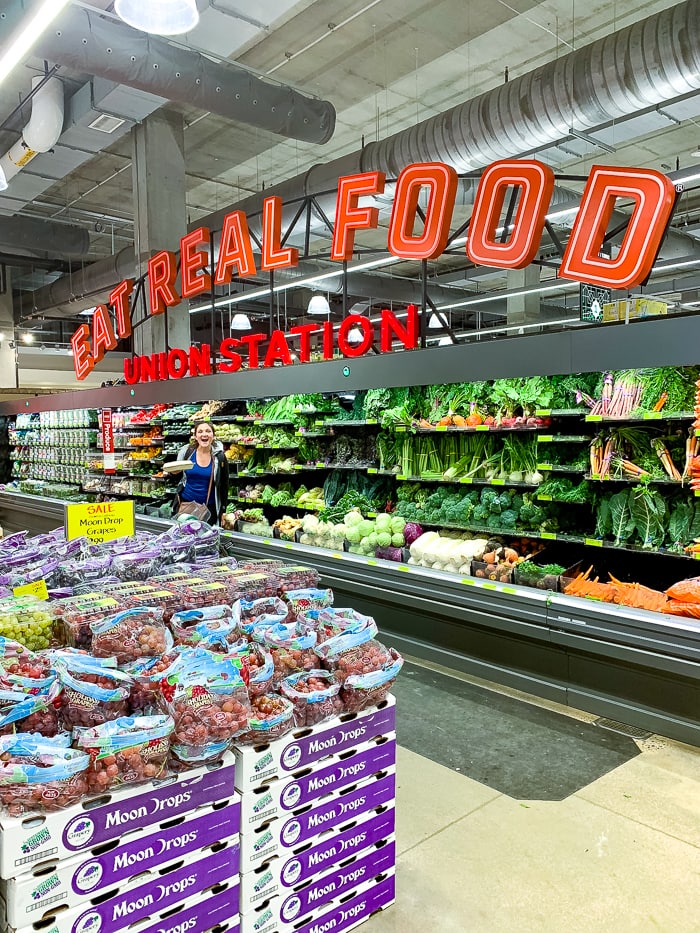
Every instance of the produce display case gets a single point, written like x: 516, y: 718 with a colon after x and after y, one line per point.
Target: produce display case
x: 505, y: 632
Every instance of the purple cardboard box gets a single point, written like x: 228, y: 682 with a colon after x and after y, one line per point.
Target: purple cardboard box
x: 40, y: 836
x: 284, y: 837
x: 147, y: 896
x: 71, y: 882
x: 279, y: 875
x: 198, y: 915
x: 334, y: 773
x: 256, y: 766
x: 338, y: 916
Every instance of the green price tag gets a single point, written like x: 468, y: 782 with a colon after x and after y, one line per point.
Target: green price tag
x: 275, y: 447
x: 400, y: 429
x: 371, y: 515
x: 338, y: 556
x: 545, y: 438
x: 483, y: 427
x: 544, y: 466
x: 548, y: 536
x: 543, y: 412
x: 440, y: 427
x: 468, y: 582
x: 652, y: 416
x: 267, y: 541
x: 404, y: 568
x: 298, y: 466
x: 319, y: 424
x: 320, y: 464
x: 372, y: 470
x: 466, y: 480
x: 696, y: 555
x: 696, y: 492
x: 593, y: 418
x: 510, y: 590
x: 401, y: 476
x: 488, y: 586
x: 498, y: 482
x: 288, y: 544
x: 593, y: 542
x: 544, y: 498
x: 595, y: 476
x: 372, y: 563
x: 259, y: 470
x: 372, y: 421
x: 298, y: 434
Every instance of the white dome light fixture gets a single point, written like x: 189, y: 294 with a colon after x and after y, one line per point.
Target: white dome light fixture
x: 28, y: 337
x: 240, y: 321
x: 355, y: 336
x: 161, y: 17
x: 318, y: 305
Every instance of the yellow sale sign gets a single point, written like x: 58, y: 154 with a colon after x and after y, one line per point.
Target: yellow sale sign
x: 100, y: 521
x: 38, y: 589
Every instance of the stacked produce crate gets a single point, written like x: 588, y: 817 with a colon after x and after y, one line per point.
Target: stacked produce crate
x: 317, y: 825
x: 159, y: 856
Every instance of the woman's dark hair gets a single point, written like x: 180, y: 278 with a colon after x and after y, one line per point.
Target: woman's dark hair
x: 198, y: 424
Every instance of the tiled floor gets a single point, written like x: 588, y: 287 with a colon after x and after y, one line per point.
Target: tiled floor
x: 620, y: 854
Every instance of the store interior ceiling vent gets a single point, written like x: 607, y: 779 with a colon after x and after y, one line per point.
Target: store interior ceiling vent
x: 106, y: 123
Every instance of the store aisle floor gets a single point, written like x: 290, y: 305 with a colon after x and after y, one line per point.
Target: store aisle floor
x: 620, y: 854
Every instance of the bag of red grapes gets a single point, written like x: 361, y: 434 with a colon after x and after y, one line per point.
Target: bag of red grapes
x: 135, y: 633
x: 22, y: 669
x: 365, y: 668
x: 94, y: 691
x: 314, y: 695
x: 129, y: 750
x: 207, y: 697
x: 30, y: 712
x: 38, y: 775
x: 292, y: 649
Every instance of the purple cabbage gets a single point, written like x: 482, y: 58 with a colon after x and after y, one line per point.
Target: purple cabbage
x: 390, y: 553
x: 411, y: 531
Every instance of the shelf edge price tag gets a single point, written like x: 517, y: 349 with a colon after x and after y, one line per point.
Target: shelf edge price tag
x: 544, y: 466
x: 440, y: 427
x: 400, y: 429
x: 545, y: 439
x: 543, y: 412
x: 482, y: 427
x: 593, y: 542
x: 466, y: 481
x: 401, y: 476
x: 100, y: 521
x: 593, y: 418
x: 37, y: 589
x: 544, y: 498
x: 498, y: 482
x: 371, y: 469
x: 548, y: 536
x: 652, y: 416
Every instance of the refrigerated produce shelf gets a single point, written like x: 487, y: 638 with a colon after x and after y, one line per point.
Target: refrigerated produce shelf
x: 634, y: 666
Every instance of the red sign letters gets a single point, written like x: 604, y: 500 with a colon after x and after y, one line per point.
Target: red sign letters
x: 652, y: 195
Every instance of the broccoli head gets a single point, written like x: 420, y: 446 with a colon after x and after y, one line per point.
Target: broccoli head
x: 487, y: 496
x: 508, y: 518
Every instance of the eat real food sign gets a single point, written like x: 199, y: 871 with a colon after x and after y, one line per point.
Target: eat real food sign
x: 651, y: 192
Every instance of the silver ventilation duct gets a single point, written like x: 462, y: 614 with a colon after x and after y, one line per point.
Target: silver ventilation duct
x: 650, y: 62
x: 90, y: 44
x: 32, y: 237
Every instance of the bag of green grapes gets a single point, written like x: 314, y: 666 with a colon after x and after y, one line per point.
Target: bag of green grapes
x: 27, y: 620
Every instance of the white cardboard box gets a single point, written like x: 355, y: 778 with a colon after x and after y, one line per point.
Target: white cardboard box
x: 146, y: 895
x: 281, y: 797
x: 96, y: 820
x: 284, y: 837
x: 279, y: 876
x: 340, y: 915
x: 299, y: 749
x: 71, y: 882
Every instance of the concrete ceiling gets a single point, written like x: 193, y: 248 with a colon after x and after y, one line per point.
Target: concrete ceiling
x: 385, y: 65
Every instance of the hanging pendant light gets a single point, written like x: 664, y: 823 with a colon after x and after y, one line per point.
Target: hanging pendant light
x: 240, y: 321
x: 318, y: 305
x: 162, y: 17
x: 355, y: 336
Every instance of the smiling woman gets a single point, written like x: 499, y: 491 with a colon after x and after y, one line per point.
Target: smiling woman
x: 203, y: 489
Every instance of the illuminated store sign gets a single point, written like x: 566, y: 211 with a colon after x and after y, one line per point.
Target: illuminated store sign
x: 652, y: 195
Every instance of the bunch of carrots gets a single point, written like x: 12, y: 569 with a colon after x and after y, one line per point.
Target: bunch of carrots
x: 696, y: 423
x: 633, y: 595
x: 619, y: 398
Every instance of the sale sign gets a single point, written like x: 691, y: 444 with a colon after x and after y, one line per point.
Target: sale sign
x: 100, y: 521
